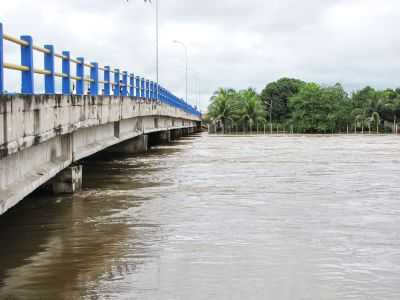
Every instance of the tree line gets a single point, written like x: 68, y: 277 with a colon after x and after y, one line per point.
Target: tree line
x: 305, y: 107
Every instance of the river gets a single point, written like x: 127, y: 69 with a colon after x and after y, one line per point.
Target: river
x: 217, y: 217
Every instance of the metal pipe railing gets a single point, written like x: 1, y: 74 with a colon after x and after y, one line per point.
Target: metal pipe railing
x: 15, y: 67
x: 122, y: 84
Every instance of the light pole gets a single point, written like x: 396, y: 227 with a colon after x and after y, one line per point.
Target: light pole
x: 187, y: 65
x: 157, y: 45
x: 157, y: 49
x: 196, y: 76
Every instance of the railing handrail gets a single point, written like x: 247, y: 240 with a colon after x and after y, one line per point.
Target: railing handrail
x: 128, y: 84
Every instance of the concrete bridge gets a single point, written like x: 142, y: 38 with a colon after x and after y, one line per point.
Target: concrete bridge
x: 44, y: 136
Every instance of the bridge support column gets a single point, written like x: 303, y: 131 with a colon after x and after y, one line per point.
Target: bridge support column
x: 165, y: 136
x: 68, y: 181
x: 136, y: 145
x: 185, y: 131
x: 159, y: 138
x: 176, y: 134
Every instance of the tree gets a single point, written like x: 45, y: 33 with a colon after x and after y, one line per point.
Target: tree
x: 252, y: 110
x: 275, y: 97
x: 364, y: 97
x: 306, y: 107
x: 390, y: 108
x: 359, y: 115
x: 337, y: 106
x: 225, y: 106
x: 377, y: 119
x: 317, y: 110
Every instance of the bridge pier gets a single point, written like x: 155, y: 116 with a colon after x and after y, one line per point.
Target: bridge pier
x: 185, y: 132
x: 67, y: 181
x: 176, y: 134
x: 159, y: 138
x: 139, y: 144
x: 165, y: 136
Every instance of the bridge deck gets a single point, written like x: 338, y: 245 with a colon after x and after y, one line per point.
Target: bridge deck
x: 42, y: 135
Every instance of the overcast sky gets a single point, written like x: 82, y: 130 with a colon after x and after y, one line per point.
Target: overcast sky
x: 232, y: 43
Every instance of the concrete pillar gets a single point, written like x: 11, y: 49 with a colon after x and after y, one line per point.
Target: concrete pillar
x: 176, y: 134
x: 68, y: 181
x: 185, y: 131
x: 198, y: 127
x: 165, y: 136
x: 159, y: 138
x: 136, y: 145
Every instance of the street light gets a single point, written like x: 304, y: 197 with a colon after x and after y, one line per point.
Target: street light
x: 157, y: 44
x: 187, y: 65
x: 197, y: 80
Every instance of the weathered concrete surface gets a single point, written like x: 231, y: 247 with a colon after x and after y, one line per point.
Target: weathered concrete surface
x: 165, y: 136
x: 139, y: 144
x: 176, y: 134
x: 42, y: 135
x: 161, y: 137
x: 68, y: 181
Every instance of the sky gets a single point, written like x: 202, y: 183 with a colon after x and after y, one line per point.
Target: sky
x: 231, y: 43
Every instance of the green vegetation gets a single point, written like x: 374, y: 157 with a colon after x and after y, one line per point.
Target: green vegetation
x: 233, y: 110
x: 297, y: 106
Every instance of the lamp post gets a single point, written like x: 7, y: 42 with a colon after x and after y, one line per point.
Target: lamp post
x: 157, y: 45
x: 197, y: 80
x: 157, y: 48
x: 187, y: 64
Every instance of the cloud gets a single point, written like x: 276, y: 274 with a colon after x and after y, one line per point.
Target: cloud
x: 231, y: 43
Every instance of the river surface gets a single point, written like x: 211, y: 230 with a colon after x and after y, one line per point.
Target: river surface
x: 217, y: 217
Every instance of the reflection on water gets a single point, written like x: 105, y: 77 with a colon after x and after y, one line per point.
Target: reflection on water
x: 212, y: 217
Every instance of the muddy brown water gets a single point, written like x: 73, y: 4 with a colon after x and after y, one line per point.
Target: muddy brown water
x: 217, y: 217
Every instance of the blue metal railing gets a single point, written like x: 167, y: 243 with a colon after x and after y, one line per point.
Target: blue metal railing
x: 123, y: 84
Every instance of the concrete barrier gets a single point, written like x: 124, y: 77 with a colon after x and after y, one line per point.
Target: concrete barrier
x: 42, y: 135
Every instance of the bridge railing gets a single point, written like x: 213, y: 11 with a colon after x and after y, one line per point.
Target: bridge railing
x: 114, y: 81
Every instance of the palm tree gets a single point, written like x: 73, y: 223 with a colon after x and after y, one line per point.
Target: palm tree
x: 224, y: 106
x: 252, y: 109
x: 393, y: 107
x: 375, y: 117
x: 359, y: 118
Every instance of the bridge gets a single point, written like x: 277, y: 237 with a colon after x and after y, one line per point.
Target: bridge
x: 43, y: 136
